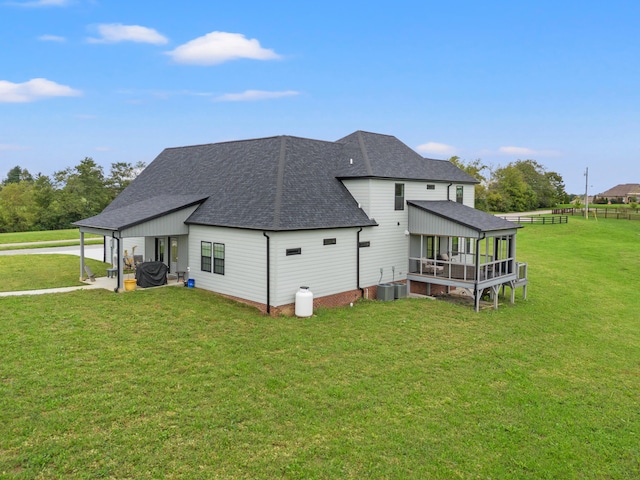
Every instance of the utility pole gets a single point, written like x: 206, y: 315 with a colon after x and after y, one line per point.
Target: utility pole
x: 586, y: 194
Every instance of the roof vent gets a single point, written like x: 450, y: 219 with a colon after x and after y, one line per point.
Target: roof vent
x: 351, y: 161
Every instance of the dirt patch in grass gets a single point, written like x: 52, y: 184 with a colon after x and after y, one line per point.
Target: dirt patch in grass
x: 464, y: 298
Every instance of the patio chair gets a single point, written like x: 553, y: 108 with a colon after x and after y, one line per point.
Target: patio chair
x: 89, y: 273
x: 129, y: 263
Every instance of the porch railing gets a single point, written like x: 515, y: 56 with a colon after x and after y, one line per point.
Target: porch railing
x: 451, y: 269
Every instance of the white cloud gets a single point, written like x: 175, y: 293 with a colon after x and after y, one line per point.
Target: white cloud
x: 116, y: 32
x: 219, y: 47
x: 523, y: 151
x: 8, y: 147
x: 516, y: 150
x: 103, y: 149
x: 436, y: 148
x: 34, y: 89
x: 41, y: 3
x: 52, y: 38
x: 252, y: 95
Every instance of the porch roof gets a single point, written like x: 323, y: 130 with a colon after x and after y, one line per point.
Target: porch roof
x: 132, y: 214
x: 463, y: 215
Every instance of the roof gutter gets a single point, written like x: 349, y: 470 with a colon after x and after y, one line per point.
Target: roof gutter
x: 448, y: 188
x: 358, y: 264
x: 268, y: 274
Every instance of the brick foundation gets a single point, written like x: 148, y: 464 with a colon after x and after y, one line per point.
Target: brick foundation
x: 338, y: 300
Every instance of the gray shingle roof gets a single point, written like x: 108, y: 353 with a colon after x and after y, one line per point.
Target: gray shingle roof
x: 384, y: 156
x: 622, y: 190
x: 130, y: 214
x: 467, y: 216
x: 277, y: 183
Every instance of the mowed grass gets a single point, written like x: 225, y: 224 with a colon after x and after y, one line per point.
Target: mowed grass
x: 181, y: 383
x: 34, y: 272
x: 43, y: 236
x: 56, y: 238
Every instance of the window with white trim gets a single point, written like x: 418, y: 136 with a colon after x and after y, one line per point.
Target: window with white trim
x: 399, y: 198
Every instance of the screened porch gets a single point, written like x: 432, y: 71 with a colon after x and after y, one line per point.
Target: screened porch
x: 455, y: 246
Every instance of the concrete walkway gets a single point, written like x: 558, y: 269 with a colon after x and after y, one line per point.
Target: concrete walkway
x: 101, y: 282
x: 45, y: 242
x: 49, y: 290
x: 90, y: 251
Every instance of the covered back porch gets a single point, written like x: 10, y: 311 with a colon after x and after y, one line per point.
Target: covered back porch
x: 455, y: 246
x: 159, y: 222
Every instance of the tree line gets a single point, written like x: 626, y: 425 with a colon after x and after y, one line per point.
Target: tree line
x: 41, y: 202
x: 520, y: 186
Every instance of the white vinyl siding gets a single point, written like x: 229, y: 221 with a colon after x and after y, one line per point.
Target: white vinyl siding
x: 325, y: 269
x: 468, y: 195
x: 170, y: 224
x: 389, y: 248
x: 245, y: 269
x: 361, y: 191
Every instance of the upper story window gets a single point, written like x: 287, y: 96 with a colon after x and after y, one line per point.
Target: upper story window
x: 431, y: 186
x: 399, y: 205
x: 459, y: 194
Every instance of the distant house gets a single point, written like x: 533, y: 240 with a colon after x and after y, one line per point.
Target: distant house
x: 256, y: 219
x: 623, y: 193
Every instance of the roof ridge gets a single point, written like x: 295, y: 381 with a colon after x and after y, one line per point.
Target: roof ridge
x: 277, y: 207
x: 365, y: 155
x: 244, y: 140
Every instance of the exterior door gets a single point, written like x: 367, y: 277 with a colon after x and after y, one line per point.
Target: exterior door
x: 173, y: 264
x: 160, y: 250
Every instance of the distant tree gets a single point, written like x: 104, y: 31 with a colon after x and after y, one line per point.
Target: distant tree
x: 49, y: 210
x: 47, y: 203
x: 83, y: 191
x: 17, y: 175
x: 121, y: 175
x: 525, y: 185
x: 17, y: 208
x: 515, y: 193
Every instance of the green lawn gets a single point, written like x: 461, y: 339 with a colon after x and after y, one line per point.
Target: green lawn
x: 181, y: 383
x: 43, y: 236
x: 34, y: 272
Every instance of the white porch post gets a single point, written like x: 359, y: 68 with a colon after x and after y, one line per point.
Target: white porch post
x: 81, y: 255
x: 120, y: 285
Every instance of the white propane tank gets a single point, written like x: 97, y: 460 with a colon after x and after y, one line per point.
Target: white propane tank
x: 304, y: 302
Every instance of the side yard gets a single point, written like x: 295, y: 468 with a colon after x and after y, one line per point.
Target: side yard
x: 182, y: 383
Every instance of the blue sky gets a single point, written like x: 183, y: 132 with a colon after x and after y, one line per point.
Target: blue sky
x: 557, y: 82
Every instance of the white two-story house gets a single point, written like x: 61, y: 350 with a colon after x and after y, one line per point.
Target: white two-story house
x: 256, y: 219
